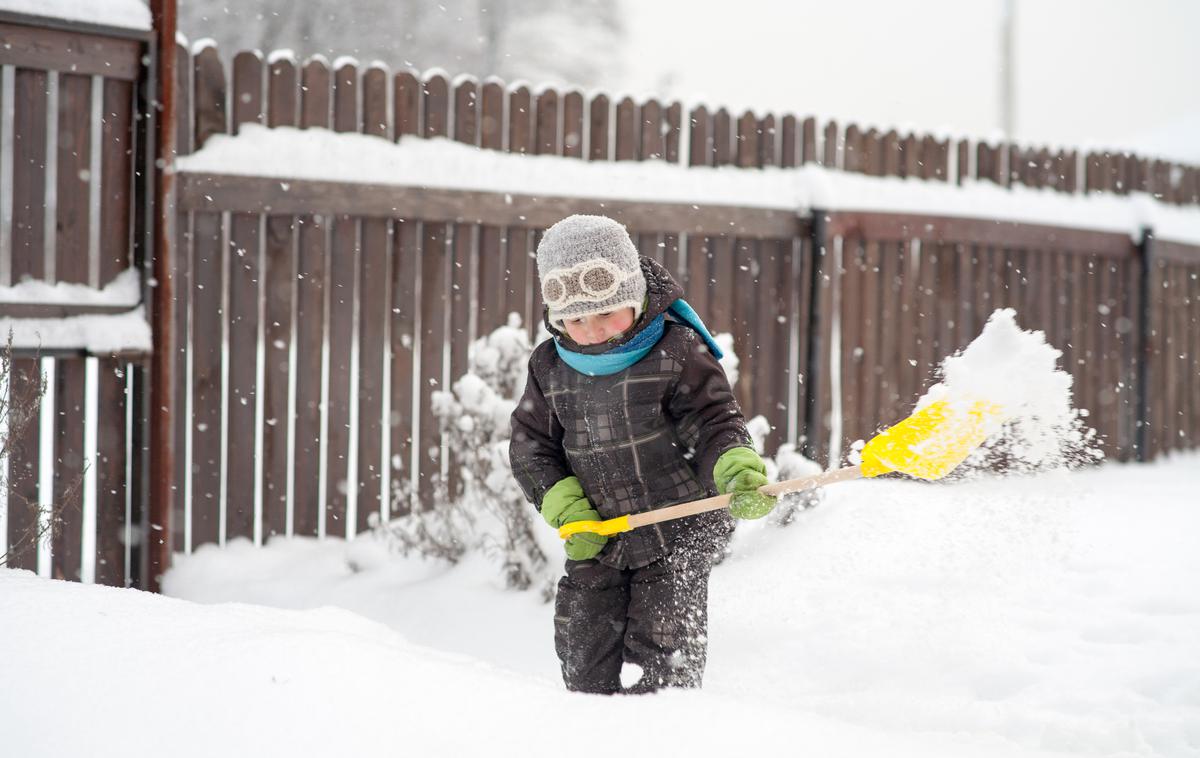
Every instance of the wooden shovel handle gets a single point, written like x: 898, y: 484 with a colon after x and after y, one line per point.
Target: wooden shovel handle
x: 722, y: 501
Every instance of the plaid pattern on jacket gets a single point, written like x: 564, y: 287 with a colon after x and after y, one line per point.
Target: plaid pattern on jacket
x: 640, y: 439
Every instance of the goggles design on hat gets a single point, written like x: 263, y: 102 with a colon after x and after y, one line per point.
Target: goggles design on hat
x: 589, y: 281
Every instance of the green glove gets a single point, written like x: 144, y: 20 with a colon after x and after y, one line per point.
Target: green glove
x: 741, y: 471
x: 565, y: 503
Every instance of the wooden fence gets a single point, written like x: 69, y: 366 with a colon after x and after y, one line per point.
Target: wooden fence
x: 391, y: 284
x: 313, y: 321
x: 69, y: 214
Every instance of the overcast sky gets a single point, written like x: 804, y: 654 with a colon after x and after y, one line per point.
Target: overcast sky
x: 1089, y: 72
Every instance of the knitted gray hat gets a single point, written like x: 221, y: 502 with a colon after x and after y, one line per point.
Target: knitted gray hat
x: 587, y: 265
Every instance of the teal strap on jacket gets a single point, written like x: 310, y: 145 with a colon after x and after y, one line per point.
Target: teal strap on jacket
x: 622, y: 357
x: 687, y: 314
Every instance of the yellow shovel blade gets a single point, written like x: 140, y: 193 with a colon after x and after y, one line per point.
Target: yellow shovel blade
x: 932, y: 441
x: 607, y: 528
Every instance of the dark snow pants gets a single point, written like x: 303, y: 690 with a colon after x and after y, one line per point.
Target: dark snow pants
x: 655, y: 616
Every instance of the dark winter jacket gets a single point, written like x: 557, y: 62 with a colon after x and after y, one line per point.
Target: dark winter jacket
x: 642, y: 438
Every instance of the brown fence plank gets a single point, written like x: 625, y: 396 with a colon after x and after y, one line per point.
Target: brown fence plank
x: 672, y: 253
x: 373, y: 312
x: 672, y: 132
x: 872, y: 315
x: 800, y: 280
x: 491, y: 119
x: 493, y: 274
x: 247, y: 100
x: 207, y: 419
x: 279, y: 276
x: 852, y: 149
x: 434, y: 274
x: 406, y: 243
x: 600, y: 118
x: 244, y: 298
x: 771, y: 340
x: 695, y: 274
x: 181, y: 274
x: 343, y: 272
x: 889, y: 358
x: 24, y: 463
x: 964, y: 316
x: 572, y: 124
x: 778, y: 320
x: 652, y: 145
x: 311, y: 291
x: 209, y: 116
x: 434, y: 304
x: 520, y: 120
x: 29, y: 174
x: 376, y: 118
x: 832, y: 136
x: 1192, y: 350
x: 115, y: 179
x: 1108, y: 356
x: 948, y: 339
x: 928, y: 344
x: 73, y: 185
x: 546, y: 120
x: 209, y: 102
x: 1078, y: 335
x: 625, y: 125
x: 110, y: 472
x: 1172, y: 346
x: 852, y: 331
x: 67, y: 540
x: 742, y: 289
x: 374, y: 309
x: 464, y: 258
x: 826, y: 278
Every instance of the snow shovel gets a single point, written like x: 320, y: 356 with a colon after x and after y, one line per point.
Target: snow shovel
x: 927, y: 445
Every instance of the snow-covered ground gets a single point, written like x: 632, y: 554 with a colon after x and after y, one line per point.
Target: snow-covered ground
x: 1055, y: 614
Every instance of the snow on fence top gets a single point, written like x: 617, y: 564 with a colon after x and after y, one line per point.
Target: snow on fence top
x: 126, y: 14
x: 125, y: 289
x: 97, y: 334
x: 322, y: 155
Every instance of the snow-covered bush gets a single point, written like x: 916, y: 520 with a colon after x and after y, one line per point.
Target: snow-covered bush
x: 489, y: 513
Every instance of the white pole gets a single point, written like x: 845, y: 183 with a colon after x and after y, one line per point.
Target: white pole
x: 1008, y: 114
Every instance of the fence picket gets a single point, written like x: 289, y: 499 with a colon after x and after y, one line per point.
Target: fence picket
x: 435, y: 305
x: 245, y: 241
x: 23, y: 478
x: 67, y: 531
x: 278, y: 276
x: 311, y: 291
x: 111, y: 442
x: 343, y: 273
x: 29, y: 174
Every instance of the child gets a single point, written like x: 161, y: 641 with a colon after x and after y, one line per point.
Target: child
x: 626, y: 410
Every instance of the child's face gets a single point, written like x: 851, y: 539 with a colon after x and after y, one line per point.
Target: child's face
x: 599, y: 327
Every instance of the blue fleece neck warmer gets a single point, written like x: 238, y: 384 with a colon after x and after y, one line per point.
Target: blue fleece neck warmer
x: 623, y: 356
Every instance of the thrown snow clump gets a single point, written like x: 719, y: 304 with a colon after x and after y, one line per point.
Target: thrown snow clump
x: 1017, y: 370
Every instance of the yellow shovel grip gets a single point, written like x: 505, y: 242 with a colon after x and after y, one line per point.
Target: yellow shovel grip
x: 606, y: 528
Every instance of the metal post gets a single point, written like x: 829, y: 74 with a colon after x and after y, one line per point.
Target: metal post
x: 814, y: 422
x: 1142, y: 350
x: 162, y: 400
